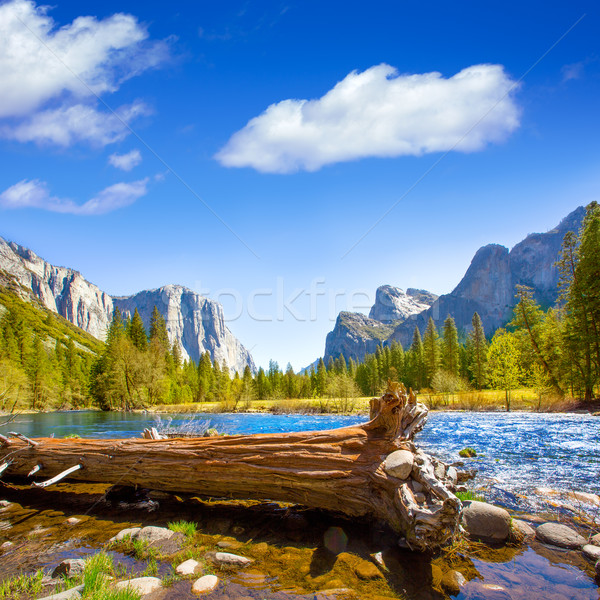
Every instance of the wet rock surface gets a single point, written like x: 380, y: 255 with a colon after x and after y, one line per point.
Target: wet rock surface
x: 557, y: 534
x: 486, y: 521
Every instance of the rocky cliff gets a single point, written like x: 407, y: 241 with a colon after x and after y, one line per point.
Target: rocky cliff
x: 196, y: 322
x: 488, y: 287
x: 355, y: 335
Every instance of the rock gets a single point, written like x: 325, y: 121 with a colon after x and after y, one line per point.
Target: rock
x: 72, y: 521
x: 393, y: 304
x: 598, y: 569
x: 227, y: 559
x: 189, y: 567
x: 131, y: 532
x: 170, y: 545
x: 485, y: 521
x: 466, y: 475
x: 153, y: 534
x: 260, y: 549
x: 6, y: 545
x: 436, y: 576
x: 452, y: 582
x: 142, y: 585
x: 229, y: 545
x: 591, y: 552
x: 467, y: 453
x: 71, y: 567
x: 522, y: 529
x: 559, y: 535
x: 595, y: 540
x: 452, y: 475
x: 367, y: 570
x: 5, y: 503
x: 399, y: 463
x: 205, y: 584
x: 73, y: 593
x: 196, y: 322
x: 335, y: 594
x: 585, y: 497
x: 489, y: 591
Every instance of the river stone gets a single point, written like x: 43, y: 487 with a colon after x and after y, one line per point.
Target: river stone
x: 522, y: 529
x: 153, y: 534
x: 229, y: 545
x: 189, y: 567
x: 489, y: 591
x: 205, y: 584
x: 399, y: 464
x: 6, y: 545
x: 595, y: 540
x: 559, y: 535
x: 71, y: 567
x: 585, y: 497
x: 367, y: 570
x: 452, y: 475
x: 131, y: 532
x: 73, y: 593
x: 226, y: 558
x: 486, y: 521
x: 452, y: 582
x: 142, y: 585
x: 591, y: 552
x: 72, y: 521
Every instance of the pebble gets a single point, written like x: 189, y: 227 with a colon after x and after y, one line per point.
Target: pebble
x: 189, y: 567
x: 205, y: 584
x: 559, y: 535
x: 131, y: 532
x: 228, y: 559
x: 72, y: 521
x: 225, y: 544
x: 142, y: 585
x: 399, y: 464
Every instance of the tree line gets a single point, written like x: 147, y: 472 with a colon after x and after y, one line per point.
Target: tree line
x: 556, y: 351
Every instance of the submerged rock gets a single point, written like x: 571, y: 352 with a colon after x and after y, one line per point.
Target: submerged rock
x: 205, y: 584
x: 71, y: 567
x: 559, y: 535
x: 367, y: 570
x: 486, y: 521
x: 452, y: 582
x: 228, y: 559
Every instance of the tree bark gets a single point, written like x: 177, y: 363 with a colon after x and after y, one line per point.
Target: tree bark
x: 340, y: 470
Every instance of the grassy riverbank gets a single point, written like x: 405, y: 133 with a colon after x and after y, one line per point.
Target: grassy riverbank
x: 524, y: 399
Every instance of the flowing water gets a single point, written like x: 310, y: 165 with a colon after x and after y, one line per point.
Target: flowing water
x: 521, y: 457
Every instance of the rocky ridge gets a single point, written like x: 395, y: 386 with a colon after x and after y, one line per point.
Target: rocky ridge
x: 196, y: 322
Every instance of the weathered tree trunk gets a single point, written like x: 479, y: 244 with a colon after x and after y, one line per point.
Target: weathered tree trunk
x: 340, y: 470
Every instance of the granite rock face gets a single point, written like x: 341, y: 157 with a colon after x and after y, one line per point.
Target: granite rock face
x: 196, y: 322
x: 393, y: 304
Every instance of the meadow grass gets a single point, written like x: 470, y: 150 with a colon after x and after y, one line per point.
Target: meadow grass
x: 188, y: 528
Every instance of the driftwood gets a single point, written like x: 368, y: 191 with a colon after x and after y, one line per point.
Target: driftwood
x: 341, y: 470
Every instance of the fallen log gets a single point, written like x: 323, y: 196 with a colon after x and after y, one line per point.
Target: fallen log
x: 348, y: 470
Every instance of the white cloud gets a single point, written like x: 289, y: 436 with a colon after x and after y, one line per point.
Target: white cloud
x: 379, y: 113
x: 42, y: 68
x: 35, y: 194
x: 68, y: 125
x: 572, y: 71
x: 127, y: 161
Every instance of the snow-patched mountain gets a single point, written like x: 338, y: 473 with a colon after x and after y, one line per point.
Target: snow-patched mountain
x: 196, y: 322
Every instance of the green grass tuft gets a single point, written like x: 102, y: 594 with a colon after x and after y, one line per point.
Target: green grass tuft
x: 188, y: 528
x: 469, y: 495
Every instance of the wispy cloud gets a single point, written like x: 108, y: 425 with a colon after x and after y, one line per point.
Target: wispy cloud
x: 127, y: 161
x: 379, y: 113
x: 572, y: 71
x: 35, y: 194
x: 52, y: 76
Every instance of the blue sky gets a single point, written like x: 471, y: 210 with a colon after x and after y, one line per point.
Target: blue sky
x: 249, y: 150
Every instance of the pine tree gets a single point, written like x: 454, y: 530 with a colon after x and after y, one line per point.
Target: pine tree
x: 416, y: 364
x: 579, y: 267
x: 477, y: 352
x: 431, y: 351
x: 450, y: 347
x: 137, y: 332
x: 158, y: 330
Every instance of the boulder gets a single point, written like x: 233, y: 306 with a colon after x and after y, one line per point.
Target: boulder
x: 559, y: 535
x: 591, y: 552
x: 189, y: 567
x: 486, y: 521
x: 205, y: 584
x: 71, y: 567
x: 142, y: 585
x: 399, y: 464
x: 129, y: 532
x: 73, y: 593
x: 452, y: 475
